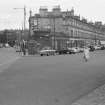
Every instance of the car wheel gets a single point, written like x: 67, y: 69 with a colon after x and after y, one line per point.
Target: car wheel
x: 41, y: 54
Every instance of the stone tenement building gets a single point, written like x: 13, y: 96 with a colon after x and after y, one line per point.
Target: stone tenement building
x: 62, y: 29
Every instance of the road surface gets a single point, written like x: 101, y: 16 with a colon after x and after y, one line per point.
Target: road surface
x: 52, y: 80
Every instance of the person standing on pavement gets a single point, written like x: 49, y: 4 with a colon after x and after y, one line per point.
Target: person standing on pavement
x: 86, y: 54
x: 23, y: 47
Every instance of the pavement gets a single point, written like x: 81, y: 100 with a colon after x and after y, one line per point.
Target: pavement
x: 7, y: 57
x: 52, y: 80
x: 96, y: 97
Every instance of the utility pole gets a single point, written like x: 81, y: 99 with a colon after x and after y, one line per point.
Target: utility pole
x: 95, y: 40
x: 30, y: 26
x: 54, y: 31
x: 24, y: 9
x: 24, y: 19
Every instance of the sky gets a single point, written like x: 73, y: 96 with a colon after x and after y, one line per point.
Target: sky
x: 92, y: 10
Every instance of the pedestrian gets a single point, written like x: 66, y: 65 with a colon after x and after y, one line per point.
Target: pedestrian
x: 86, y: 55
x: 23, y: 47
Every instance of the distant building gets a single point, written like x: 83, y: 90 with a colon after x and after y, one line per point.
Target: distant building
x: 64, y: 29
x: 10, y: 36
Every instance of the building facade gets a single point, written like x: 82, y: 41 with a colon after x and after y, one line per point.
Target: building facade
x: 62, y: 29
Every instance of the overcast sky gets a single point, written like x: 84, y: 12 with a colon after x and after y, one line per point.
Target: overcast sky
x: 93, y: 10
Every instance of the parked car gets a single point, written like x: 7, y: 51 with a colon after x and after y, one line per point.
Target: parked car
x: 81, y: 49
x: 7, y: 45
x: 91, y: 48
x: 62, y: 51
x: 97, y: 47
x: 78, y: 49
x: 73, y: 50
x: 47, y: 51
x: 102, y: 47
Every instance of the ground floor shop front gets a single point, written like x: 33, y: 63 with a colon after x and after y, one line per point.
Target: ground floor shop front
x: 61, y: 41
x: 64, y: 43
